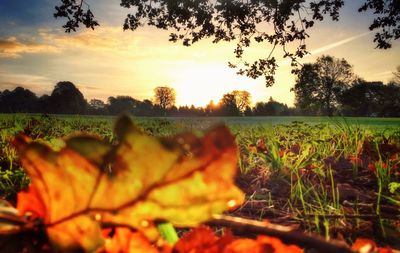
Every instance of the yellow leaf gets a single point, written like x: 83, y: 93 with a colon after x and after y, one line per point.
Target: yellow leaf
x: 182, y: 179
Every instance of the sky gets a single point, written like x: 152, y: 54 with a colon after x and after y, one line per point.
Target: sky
x: 36, y: 53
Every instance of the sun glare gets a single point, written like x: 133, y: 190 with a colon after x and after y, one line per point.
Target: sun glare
x: 198, y: 84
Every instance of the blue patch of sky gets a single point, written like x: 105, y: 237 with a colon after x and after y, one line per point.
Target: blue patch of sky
x: 26, y: 16
x: 22, y: 15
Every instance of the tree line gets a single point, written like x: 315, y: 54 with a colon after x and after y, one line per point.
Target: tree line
x: 330, y: 87
x: 327, y: 87
x: 66, y: 98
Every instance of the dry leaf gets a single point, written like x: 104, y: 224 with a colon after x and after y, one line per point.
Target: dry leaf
x: 183, y: 180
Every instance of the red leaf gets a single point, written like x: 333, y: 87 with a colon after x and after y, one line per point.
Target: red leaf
x: 203, y: 240
x: 364, y: 246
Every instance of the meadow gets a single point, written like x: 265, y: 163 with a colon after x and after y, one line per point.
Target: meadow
x: 339, y: 177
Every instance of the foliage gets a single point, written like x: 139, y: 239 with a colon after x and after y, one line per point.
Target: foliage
x: 75, y: 13
x: 18, y: 100
x: 164, y: 97
x: 321, y: 84
x: 245, y: 22
x: 121, y: 104
x: 242, y: 99
x: 228, y: 105
x: 387, y: 22
x: 371, y: 99
x: 66, y: 99
x: 271, y: 108
x: 233, y: 103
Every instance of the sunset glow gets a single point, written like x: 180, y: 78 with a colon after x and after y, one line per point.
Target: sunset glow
x: 109, y: 62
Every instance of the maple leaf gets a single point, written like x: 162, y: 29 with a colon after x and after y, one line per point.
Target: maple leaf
x: 182, y: 179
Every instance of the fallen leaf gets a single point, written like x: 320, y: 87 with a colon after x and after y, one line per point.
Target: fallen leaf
x: 183, y: 180
x: 362, y: 245
x: 127, y: 241
x: 203, y: 240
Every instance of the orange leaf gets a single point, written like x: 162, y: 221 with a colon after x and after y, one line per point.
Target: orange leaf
x: 364, y: 246
x: 203, y: 240
x: 127, y: 241
x: 183, y: 180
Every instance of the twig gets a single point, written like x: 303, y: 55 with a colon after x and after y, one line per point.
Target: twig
x: 286, y: 234
x: 357, y: 216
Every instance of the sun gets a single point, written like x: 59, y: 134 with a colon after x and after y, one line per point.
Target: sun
x: 199, y: 83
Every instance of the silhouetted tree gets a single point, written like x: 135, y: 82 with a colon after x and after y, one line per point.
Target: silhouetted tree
x: 271, y: 108
x: 66, y: 99
x: 228, y: 106
x: 320, y: 84
x: 45, y: 104
x: 144, y: 108
x: 164, y: 97
x: 371, y: 99
x: 97, y: 107
x: 245, y: 22
x: 121, y: 104
x: 18, y: 100
x: 361, y: 99
x: 396, y: 76
x: 306, y: 91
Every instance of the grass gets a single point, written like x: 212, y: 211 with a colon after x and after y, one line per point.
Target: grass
x: 335, y: 176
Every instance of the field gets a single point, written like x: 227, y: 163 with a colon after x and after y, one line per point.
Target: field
x: 338, y: 177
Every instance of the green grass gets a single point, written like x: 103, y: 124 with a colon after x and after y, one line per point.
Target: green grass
x: 312, y: 172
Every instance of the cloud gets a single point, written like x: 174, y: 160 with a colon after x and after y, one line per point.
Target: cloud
x: 338, y: 43
x: 107, y: 38
x: 12, y: 48
x: 327, y: 47
x: 144, y: 44
x: 39, y: 84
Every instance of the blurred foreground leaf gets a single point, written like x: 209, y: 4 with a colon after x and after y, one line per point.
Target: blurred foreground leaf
x: 138, y: 182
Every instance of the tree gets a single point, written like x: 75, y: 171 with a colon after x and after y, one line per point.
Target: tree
x: 66, y: 99
x: 396, y: 76
x: 320, y: 84
x: 228, y: 106
x: 242, y: 99
x: 18, y: 100
x: 371, y: 99
x: 144, y: 108
x: 121, y: 104
x: 306, y: 91
x: 245, y: 22
x: 164, y: 97
x: 96, y: 106
x: 271, y: 108
x: 361, y: 99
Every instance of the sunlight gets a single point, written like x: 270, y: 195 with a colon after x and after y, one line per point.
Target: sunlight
x: 200, y: 82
